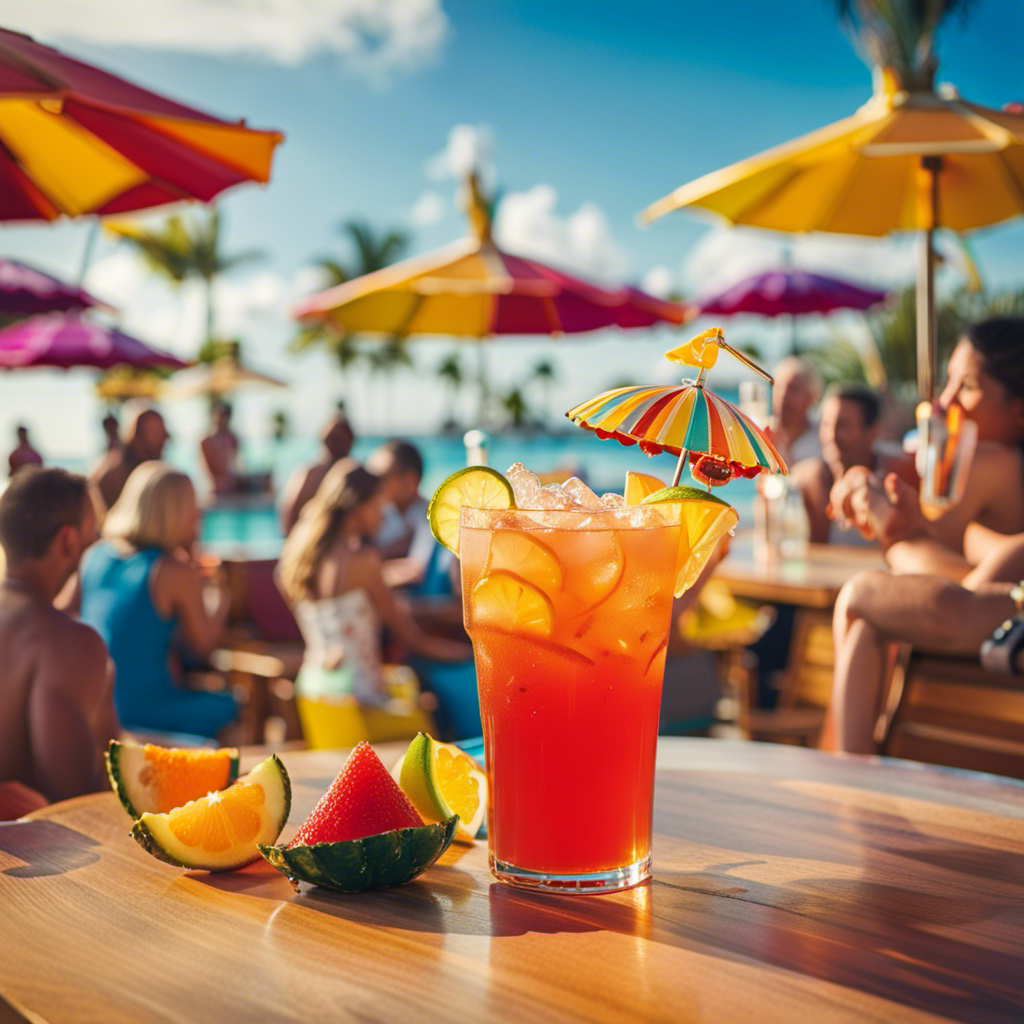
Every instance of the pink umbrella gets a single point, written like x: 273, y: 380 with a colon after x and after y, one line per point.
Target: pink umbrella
x: 24, y: 290
x: 788, y: 291
x: 65, y: 340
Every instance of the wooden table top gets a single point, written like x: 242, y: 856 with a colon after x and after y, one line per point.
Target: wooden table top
x: 789, y: 886
x: 813, y: 581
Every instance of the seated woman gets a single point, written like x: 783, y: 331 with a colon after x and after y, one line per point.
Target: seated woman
x: 138, y: 586
x: 332, y: 577
x: 971, y: 544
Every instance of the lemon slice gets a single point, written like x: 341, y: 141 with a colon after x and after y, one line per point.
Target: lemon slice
x: 527, y: 557
x: 475, y: 486
x: 639, y: 486
x: 705, y: 519
x: 502, y: 600
x: 442, y: 780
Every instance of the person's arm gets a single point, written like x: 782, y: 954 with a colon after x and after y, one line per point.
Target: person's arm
x: 1000, y: 560
x: 296, y: 493
x: 367, y: 574
x: 408, y: 571
x: 182, y: 585
x: 67, y: 712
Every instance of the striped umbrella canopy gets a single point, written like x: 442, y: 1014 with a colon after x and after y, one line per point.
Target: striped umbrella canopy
x: 474, y: 289
x: 685, y: 420
x: 75, y: 140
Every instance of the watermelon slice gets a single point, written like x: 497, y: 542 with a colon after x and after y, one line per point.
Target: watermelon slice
x: 363, y: 833
x: 362, y: 801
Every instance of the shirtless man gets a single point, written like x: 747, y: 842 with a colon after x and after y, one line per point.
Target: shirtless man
x: 56, y: 681
x: 144, y: 440
x: 24, y: 455
x: 219, y: 451
x: 306, y: 480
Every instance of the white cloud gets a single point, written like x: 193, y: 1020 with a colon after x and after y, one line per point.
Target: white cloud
x: 659, y: 281
x: 469, y: 147
x: 528, y: 223
x: 428, y: 210
x: 375, y: 38
x: 726, y: 255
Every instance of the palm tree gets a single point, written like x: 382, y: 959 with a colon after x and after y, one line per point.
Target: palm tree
x: 371, y: 250
x: 385, y: 360
x: 514, y: 403
x: 544, y: 373
x: 898, y: 37
x: 451, y: 373
x: 188, y: 248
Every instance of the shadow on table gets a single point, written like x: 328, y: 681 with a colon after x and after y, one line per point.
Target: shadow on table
x: 46, y: 847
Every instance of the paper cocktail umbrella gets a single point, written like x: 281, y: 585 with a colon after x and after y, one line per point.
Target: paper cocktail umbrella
x: 687, y: 420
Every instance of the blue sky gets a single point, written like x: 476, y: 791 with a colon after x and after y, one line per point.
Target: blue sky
x: 605, y: 107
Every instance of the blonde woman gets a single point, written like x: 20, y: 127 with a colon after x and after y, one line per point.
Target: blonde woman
x: 139, y: 585
x: 332, y: 578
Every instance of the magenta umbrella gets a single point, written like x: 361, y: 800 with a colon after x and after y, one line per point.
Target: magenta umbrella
x: 66, y: 340
x: 789, y: 291
x: 24, y: 290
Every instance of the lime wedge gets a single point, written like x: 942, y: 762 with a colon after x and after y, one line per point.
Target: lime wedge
x: 705, y: 519
x: 442, y: 780
x: 475, y: 486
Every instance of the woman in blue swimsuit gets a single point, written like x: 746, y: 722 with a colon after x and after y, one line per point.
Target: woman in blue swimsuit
x: 139, y: 586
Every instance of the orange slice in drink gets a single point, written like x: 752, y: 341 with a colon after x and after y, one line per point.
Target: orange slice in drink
x: 504, y: 601
x: 526, y: 556
x: 705, y: 519
x: 222, y: 830
x: 639, y: 486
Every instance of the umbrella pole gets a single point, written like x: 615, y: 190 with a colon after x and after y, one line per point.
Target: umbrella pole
x: 926, y: 325
x: 677, y: 476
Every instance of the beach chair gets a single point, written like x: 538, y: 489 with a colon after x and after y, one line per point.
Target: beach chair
x: 950, y: 711
x: 806, y: 689
x: 343, y: 722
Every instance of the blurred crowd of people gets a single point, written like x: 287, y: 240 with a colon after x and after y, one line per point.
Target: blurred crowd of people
x: 106, y: 600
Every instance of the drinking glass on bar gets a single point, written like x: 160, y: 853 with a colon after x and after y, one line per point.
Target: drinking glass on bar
x: 945, y: 451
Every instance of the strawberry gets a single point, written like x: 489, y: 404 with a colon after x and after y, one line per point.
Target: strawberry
x: 363, y: 800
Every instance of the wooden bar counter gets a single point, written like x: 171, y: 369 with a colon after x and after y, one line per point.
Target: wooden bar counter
x: 789, y: 887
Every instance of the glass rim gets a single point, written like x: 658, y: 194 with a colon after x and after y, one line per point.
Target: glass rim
x: 571, y: 519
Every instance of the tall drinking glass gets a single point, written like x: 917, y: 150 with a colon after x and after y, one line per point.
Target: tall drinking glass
x: 569, y: 614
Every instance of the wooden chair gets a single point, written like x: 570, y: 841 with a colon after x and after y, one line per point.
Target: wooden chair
x: 950, y: 711
x: 806, y: 686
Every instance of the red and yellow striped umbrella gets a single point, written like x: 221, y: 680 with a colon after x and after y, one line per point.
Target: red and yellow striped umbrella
x: 75, y: 140
x: 686, y: 419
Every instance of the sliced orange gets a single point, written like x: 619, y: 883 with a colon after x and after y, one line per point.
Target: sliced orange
x: 152, y: 778
x: 504, y: 601
x: 639, y: 486
x: 526, y: 556
x: 222, y: 830
x: 705, y: 519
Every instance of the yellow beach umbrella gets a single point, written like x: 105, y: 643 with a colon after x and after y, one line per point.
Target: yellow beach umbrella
x: 906, y: 161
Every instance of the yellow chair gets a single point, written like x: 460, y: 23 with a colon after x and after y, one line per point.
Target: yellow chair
x: 328, y: 723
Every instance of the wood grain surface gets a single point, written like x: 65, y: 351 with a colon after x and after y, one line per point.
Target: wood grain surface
x: 810, y: 582
x: 789, y: 886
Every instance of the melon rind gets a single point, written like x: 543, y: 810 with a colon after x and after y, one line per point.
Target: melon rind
x: 153, y: 833
x: 374, y: 862
x: 125, y: 761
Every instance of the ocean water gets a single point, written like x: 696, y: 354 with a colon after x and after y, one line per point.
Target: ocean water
x: 602, y: 464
